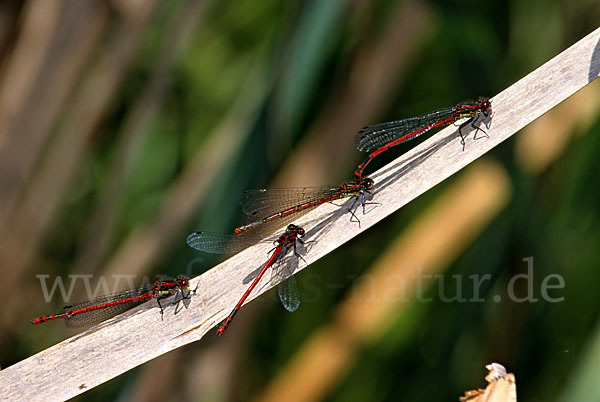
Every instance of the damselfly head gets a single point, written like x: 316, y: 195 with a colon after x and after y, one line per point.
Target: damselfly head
x: 485, y: 104
x: 183, y: 281
x: 295, y: 230
x: 367, y: 183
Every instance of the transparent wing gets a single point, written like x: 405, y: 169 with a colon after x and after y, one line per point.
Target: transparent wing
x: 96, y: 316
x: 221, y: 243
x: 282, y: 273
x: 375, y: 136
x: 262, y: 202
x: 92, y: 317
x: 289, y: 294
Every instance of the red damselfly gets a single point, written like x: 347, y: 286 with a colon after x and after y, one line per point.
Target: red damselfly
x: 273, y: 208
x: 378, y: 138
x: 99, y: 309
x: 283, y: 266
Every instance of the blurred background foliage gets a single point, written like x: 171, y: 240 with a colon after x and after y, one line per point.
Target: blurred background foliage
x: 124, y: 125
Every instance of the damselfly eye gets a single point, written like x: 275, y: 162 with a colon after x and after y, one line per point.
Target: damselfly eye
x: 368, y: 183
x: 485, y: 103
